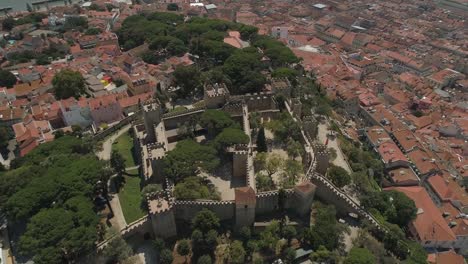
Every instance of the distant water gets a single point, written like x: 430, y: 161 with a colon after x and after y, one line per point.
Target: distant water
x: 19, y: 5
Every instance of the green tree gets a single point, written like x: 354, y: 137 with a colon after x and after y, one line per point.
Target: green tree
x: 205, y: 259
x: 117, y: 249
x: 172, y: 7
x: 117, y: 162
x: 245, y: 234
x: 159, y: 244
x: 264, y: 182
x: 395, y: 206
x: 7, y: 79
x: 193, y: 188
x: 405, y: 209
x: 292, y: 169
x: 243, y: 69
x: 247, y: 32
x: 173, y: 45
x: 183, y: 248
x: 294, y: 148
x: 261, y: 141
x: 150, y: 188
x: 236, y: 252
x: 231, y: 136
x: 72, y: 228
x: 321, y: 255
x: 5, y: 136
x: 260, y: 161
x: 288, y: 73
x: 205, y: 220
x: 165, y: 257
x: 8, y: 24
x: 74, y: 22
x: 68, y: 83
x: 188, y: 79
x: 215, y: 121
x: 187, y: 158
x: 42, y: 59
x: 332, y: 153
x: 289, y: 232
x: 289, y: 255
x: 270, y: 237
x: 360, y: 256
x: 274, y: 164
x: 93, y: 31
x: 326, y: 231
x: 339, y: 176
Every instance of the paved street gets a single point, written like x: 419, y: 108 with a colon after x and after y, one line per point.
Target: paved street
x: 107, y: 145
x: 118, y: 221
x: 333, y: 143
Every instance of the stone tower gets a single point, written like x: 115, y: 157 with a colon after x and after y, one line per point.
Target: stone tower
x: 161, y: 212
x: 304, y: 196
x: 322, y: 158
x: 239, y: 163
x: 246, y: 201
x: 216, y: 95
x: 152, y: 116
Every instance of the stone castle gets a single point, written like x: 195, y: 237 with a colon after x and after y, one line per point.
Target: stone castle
x: 158, y: 133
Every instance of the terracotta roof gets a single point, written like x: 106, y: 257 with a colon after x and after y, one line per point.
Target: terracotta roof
x: 406, y: 139
x: 429, y: 224
x: 447, y: 257
x: 26, y: 88
x: 245, y: 196
x: 424, y: 162
x: 447, y: 189
x: 390, y: 152
x: 133, y: 100
x: 403, y: 176
x: 305, y: 187
x: 452, y: 215
x: 377, y: 135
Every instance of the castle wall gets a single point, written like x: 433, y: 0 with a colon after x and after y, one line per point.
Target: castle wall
x: 267, y: 202
x: 186, y: 210
x: 331, y: 195
x: 116, y: 127
x: 139, y: 227
x: 174, y: 120
x: 163, y: 223
x: 239, y: 164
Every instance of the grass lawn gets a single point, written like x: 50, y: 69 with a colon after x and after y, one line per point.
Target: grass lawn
x: 124, y: 145
x: 130, y: 199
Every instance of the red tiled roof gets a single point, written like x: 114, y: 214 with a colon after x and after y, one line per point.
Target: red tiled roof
x: 423, y: 161
x: 429, y: 224
x: 390, y: 152
x: 245, y: 195
x: 447, y: 257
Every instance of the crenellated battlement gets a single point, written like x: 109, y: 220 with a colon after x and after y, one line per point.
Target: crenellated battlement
x: 184, y: 112
x: 273, y: 193
x: 203, y: 202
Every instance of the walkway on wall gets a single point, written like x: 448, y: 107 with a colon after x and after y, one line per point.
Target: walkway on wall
x: 250, y: 174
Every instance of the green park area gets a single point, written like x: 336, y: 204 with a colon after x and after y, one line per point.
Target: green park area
x: 130, y: 199
x: 124, y: 146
